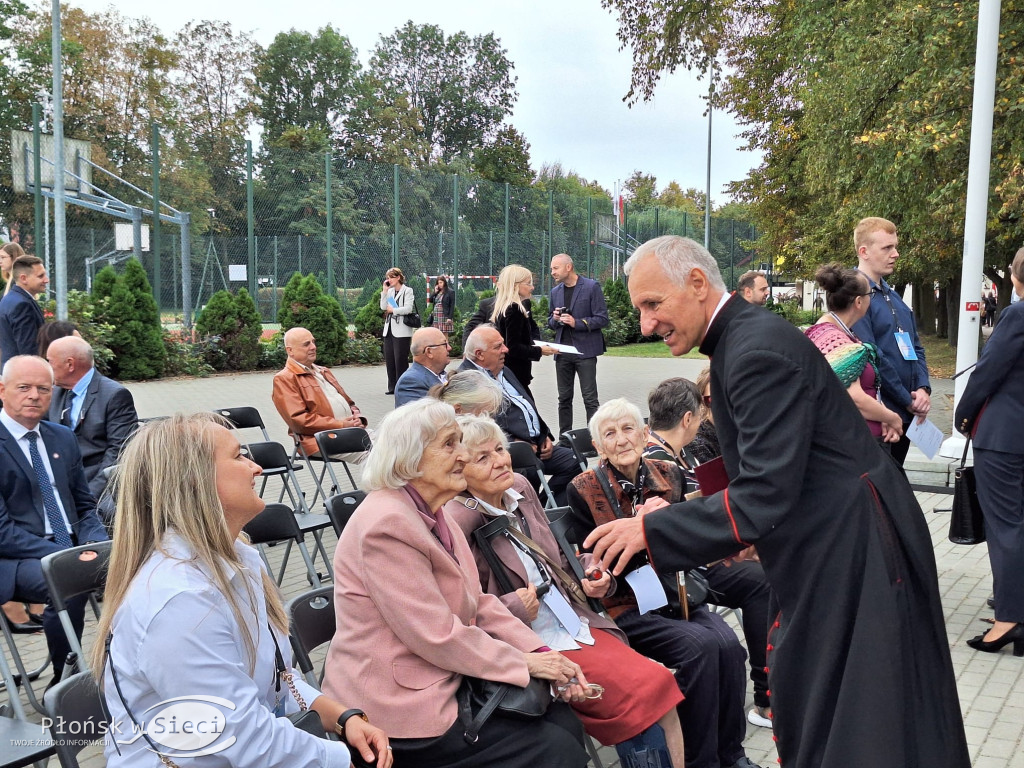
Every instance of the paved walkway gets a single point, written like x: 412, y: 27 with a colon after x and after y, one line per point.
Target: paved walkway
x: 991, y: 687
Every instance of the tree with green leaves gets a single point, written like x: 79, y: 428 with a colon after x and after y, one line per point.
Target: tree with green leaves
x: 304, y: 304
x: 137, y: 339
x: 642, y: 189
x: 232, y: 327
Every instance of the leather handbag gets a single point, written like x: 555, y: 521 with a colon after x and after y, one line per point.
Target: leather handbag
x: 413, y: 319
x: 966, y: 524
x: 479, y: 699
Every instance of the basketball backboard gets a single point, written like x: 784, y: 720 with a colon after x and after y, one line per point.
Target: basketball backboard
x: 23, y: 165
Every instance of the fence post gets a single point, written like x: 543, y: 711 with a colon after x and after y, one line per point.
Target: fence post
x: 490, y: 252
x: 732, y: 251
x: 657, y: 221
x: 455, y: 232
x: 331, y: 288
x: 155, y: 242
x: 398, y: 210
x: 506, y: 223
x: 186, y: 269
x: 344, y: 269
x: 590, y: 235
x: 250, y: 220
x: 299, y: 238
x: 273, y: 286
x: 37, y: 202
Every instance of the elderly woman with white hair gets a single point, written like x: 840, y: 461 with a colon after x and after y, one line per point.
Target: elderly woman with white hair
x: 522, y: 565
x: 414, y: 623
x: 702, y: 649
x: 470, y: 392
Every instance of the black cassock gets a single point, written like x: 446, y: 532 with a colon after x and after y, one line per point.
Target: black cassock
x: 859, y: 665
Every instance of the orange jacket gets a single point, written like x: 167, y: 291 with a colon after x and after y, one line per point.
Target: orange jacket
x: 303, y: 404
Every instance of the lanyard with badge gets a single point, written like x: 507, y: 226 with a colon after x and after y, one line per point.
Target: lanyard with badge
x: 903, y: 340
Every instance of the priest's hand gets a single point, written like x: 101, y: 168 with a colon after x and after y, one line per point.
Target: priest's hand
x: 616, y: 542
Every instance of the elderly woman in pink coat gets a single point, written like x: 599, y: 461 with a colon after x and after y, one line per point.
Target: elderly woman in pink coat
x: 413, y: 621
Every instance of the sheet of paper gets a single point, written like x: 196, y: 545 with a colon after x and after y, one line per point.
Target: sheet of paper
x: 650, y: 594
x: 567, y: 349
x: 925, y: 436
x: 392, y: 303
x: 563, y: 611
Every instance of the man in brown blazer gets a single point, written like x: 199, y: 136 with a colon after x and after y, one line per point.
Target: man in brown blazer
x: 309, y: 398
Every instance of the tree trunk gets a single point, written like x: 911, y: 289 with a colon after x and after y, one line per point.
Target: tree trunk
x: 942, y: 317
x: 924, y: 307
x: 953, y: 309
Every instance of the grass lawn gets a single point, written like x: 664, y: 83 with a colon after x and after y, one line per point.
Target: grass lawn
x: 654, y: 349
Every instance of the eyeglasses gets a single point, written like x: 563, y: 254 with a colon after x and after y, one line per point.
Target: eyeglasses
x: 431, y: 346
x: 707, y: 400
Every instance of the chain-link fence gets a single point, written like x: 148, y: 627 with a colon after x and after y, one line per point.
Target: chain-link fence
x: 348, y: 222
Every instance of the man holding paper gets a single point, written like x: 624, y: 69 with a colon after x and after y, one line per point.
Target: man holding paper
x: 577, y: 315
x: 858, y: 660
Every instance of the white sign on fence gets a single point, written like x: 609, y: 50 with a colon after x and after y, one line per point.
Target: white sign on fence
x: 238, y: 273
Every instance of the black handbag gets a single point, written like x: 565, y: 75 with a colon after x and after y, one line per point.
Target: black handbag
x: 413, y: 319
x: 966, y: 523
x: 479, y: 699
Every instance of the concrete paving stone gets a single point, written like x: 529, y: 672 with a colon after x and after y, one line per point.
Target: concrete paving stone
x: 990, y: 687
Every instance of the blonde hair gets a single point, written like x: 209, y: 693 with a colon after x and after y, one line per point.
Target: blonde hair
x: 152, y: 500
x: 14, y: 251
x: 401, y: 438
x: 506, y: 290
x: 866, y: 228
x: 704, y: 382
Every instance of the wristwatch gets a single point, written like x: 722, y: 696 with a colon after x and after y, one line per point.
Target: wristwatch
x: 339, y: 727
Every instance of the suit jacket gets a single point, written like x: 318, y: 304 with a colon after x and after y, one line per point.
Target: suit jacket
x: 511, y: 419
x: 20, y: 320
x: 394, y: 324
x: 588, y: 309
x: 106, y: 421
x: 414, y: 384
x: 303, y: 405
x: 22, y: 528
x: 413, y: 621
x: 843, y: 543
x: 533, y: 511
x: 481, y: 316
x: 998, y: 380
x: 519, y: 331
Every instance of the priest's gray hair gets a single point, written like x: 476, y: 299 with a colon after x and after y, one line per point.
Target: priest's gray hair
x: 677, y: 257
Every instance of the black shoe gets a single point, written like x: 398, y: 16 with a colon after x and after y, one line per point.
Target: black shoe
x: 1014, y: 635
x: 28, y: 628
x: 36, y: 618
x: 389, y: 392
x: 991, y: 603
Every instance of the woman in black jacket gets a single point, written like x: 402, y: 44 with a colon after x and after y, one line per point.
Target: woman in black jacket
x: 443, y: 306
x: 515, y: 322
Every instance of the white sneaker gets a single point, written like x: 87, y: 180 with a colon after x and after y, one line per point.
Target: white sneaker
x: 760, y: 716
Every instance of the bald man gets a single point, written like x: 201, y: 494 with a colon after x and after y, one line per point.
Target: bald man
x: 430, y: 356
x: 98, y: 410
x: 309, y: 398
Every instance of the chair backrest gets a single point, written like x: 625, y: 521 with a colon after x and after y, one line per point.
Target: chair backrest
x: 75, y: 571
x: 76, y: 710
x: 561, y: 527
x: 268, y: 455
x: 523, y: 456
x: 341, y: 507
x: 275, y: 523
x: 244, y: 417
x: 311, y: 624
x: 331, y: 442
x: 582, y: 445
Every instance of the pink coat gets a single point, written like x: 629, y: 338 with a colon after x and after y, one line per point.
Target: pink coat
x: 412, y: 620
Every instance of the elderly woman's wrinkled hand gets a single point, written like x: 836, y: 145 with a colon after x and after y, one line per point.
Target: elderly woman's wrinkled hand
x: 569, y: 682
x: 653, y: 503
x: 528, y: 595
x: 597, y: 588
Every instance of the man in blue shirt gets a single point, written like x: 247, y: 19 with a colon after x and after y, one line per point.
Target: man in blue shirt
x: 890, y: 326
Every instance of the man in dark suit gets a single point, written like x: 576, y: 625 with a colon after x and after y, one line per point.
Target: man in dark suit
x: 858, y: 662
x: 98, y: 410
x: 430, y: 356
x: 20, y: 313
x: 483, y: 313
x: 519, y: 419
x: 577, y: 315
x: 45, y: 504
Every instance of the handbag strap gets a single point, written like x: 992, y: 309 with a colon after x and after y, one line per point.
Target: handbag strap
x: 282, y: 672
x: 963, y: 459
x: 571, y: 586
x: 602, y: 479
x: 472, y: 725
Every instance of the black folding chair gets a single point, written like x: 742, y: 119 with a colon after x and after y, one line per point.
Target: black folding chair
x: 527, y: 463
x: 69, y: 573
x: 23, y: 743
x: 278, y: 523
x: 78, y: 718
x: 311, y: 621
x: 582, y: 445
x: 341, y: 507
x: 333, y: 442
x: 12, y: 680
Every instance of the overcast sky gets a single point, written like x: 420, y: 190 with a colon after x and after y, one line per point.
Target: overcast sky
x: 571, y: 78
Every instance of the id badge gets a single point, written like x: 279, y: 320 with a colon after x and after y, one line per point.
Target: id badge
x: 905, y: 344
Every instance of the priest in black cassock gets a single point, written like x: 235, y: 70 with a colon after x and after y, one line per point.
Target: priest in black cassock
x: 859, y: 666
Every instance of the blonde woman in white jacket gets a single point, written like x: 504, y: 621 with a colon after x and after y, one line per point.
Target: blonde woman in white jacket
x: 396, y: 301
